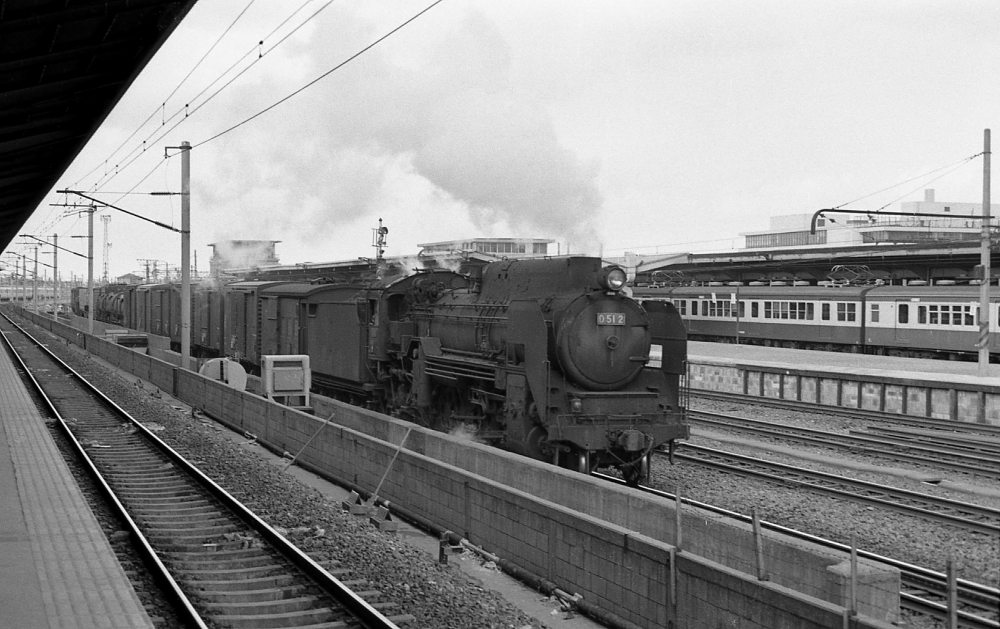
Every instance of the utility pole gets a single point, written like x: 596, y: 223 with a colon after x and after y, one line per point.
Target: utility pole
x: 90, y: 269
x: 55, y: 277
x: 34, y: 284
x: 984, y: 261
x: 185, y: 254
x: 106, y: 218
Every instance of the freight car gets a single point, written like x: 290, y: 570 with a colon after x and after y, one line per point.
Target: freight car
x: 911, y: 321
x: 548, y: 358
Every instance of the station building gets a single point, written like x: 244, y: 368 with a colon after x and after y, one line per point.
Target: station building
x: 844, y: 248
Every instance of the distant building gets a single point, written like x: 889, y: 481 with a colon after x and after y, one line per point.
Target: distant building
x: 504, y: 247
x: 130, y: 278
x: 858, y: 229
x: 241, y: 254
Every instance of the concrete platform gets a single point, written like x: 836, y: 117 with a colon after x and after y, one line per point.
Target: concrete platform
x: 935, y: 389
x: 802, y: 358
x: 57, y: 568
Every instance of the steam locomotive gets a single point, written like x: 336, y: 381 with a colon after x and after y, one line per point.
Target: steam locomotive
x: 545, y: 357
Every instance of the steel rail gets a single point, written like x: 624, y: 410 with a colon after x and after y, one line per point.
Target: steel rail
x: 972, y: 593
x: 370, y: 617
x: 875, y: 494
x: 854, y: 442
x: 160, y: 572
x: 843, y: 411
x: 959, y: 442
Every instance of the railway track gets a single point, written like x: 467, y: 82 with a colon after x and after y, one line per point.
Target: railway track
x: 220, y: 564
x: 968, y: 516
x: 907, y: 421
x: 924, y: 591
x: 953, y: 454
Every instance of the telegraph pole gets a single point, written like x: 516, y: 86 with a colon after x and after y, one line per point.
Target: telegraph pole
x: 984, y: 261
x: 90, y: 269
x: 185, y: 254
x: 34, y: 284
x: 55, y: 277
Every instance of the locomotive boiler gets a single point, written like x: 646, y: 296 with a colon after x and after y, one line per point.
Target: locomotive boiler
x: 548, y: 358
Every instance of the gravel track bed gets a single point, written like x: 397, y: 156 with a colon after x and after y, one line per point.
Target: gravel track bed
x: 437, y: 595
x: 906, y: 538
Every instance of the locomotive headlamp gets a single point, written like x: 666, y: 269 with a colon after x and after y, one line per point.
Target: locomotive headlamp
x: 614, y: 278
x: 576, y: 405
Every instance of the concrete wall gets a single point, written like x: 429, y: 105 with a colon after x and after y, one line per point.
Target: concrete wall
x: 608, y: 544
x: 912, y: 394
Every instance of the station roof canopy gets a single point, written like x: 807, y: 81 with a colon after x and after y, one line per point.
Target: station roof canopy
x: 64, y: 65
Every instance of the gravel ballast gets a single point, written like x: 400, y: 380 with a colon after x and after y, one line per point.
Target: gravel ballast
x: 436, y: 595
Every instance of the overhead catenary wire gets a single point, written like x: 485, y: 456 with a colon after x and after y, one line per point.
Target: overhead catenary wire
x: 184, y: 112
x: 956, y: 165
x: 320, y: 77
x: 172, y: 93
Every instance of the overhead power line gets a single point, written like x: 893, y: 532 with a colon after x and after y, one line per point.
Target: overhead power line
x: 320, y: 77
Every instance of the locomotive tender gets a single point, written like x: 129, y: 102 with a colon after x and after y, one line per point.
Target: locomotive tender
x: 908, y: 321
x: 545, y: 357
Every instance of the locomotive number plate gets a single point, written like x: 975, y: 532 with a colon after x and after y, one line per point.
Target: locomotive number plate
x: 610, y: 318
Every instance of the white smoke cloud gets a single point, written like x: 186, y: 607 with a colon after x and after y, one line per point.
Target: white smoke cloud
x: 447, y: 116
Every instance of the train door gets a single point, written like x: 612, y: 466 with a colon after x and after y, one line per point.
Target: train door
x: 903, y: 321
x: 288, y: 326
x: 825, y: 327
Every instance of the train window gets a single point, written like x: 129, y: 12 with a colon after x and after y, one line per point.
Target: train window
x: 742, y: 309
x: 875, y: 313
x: 904, y: 313
x: 767, y: 310
x: 311, y: 310
x: 755, y: 309
x: 681, y: 305
x: 846, y: 312
x: 934, y: 316
x: 922, y: 315
x: 826, y: 312
x: 968, y: 316
x: 694, y: 307
x: 810, y: 311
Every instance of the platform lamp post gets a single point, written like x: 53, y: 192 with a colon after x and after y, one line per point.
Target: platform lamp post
x: 984, y: 262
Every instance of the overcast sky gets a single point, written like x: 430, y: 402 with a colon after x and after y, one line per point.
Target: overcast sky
x: 608, y: 126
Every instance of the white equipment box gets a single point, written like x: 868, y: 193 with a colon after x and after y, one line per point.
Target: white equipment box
x: 286, y: 379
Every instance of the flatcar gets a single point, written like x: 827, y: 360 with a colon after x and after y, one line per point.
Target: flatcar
x: 911, y: 321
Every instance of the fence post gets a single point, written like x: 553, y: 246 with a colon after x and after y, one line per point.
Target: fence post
x: 952, y: 594
x: 758, y: 540
x: 677, y: 513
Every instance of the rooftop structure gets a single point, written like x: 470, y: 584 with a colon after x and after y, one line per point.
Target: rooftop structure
x: 506, y: 247
x: 241, y: 254
x: 793, y: 230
